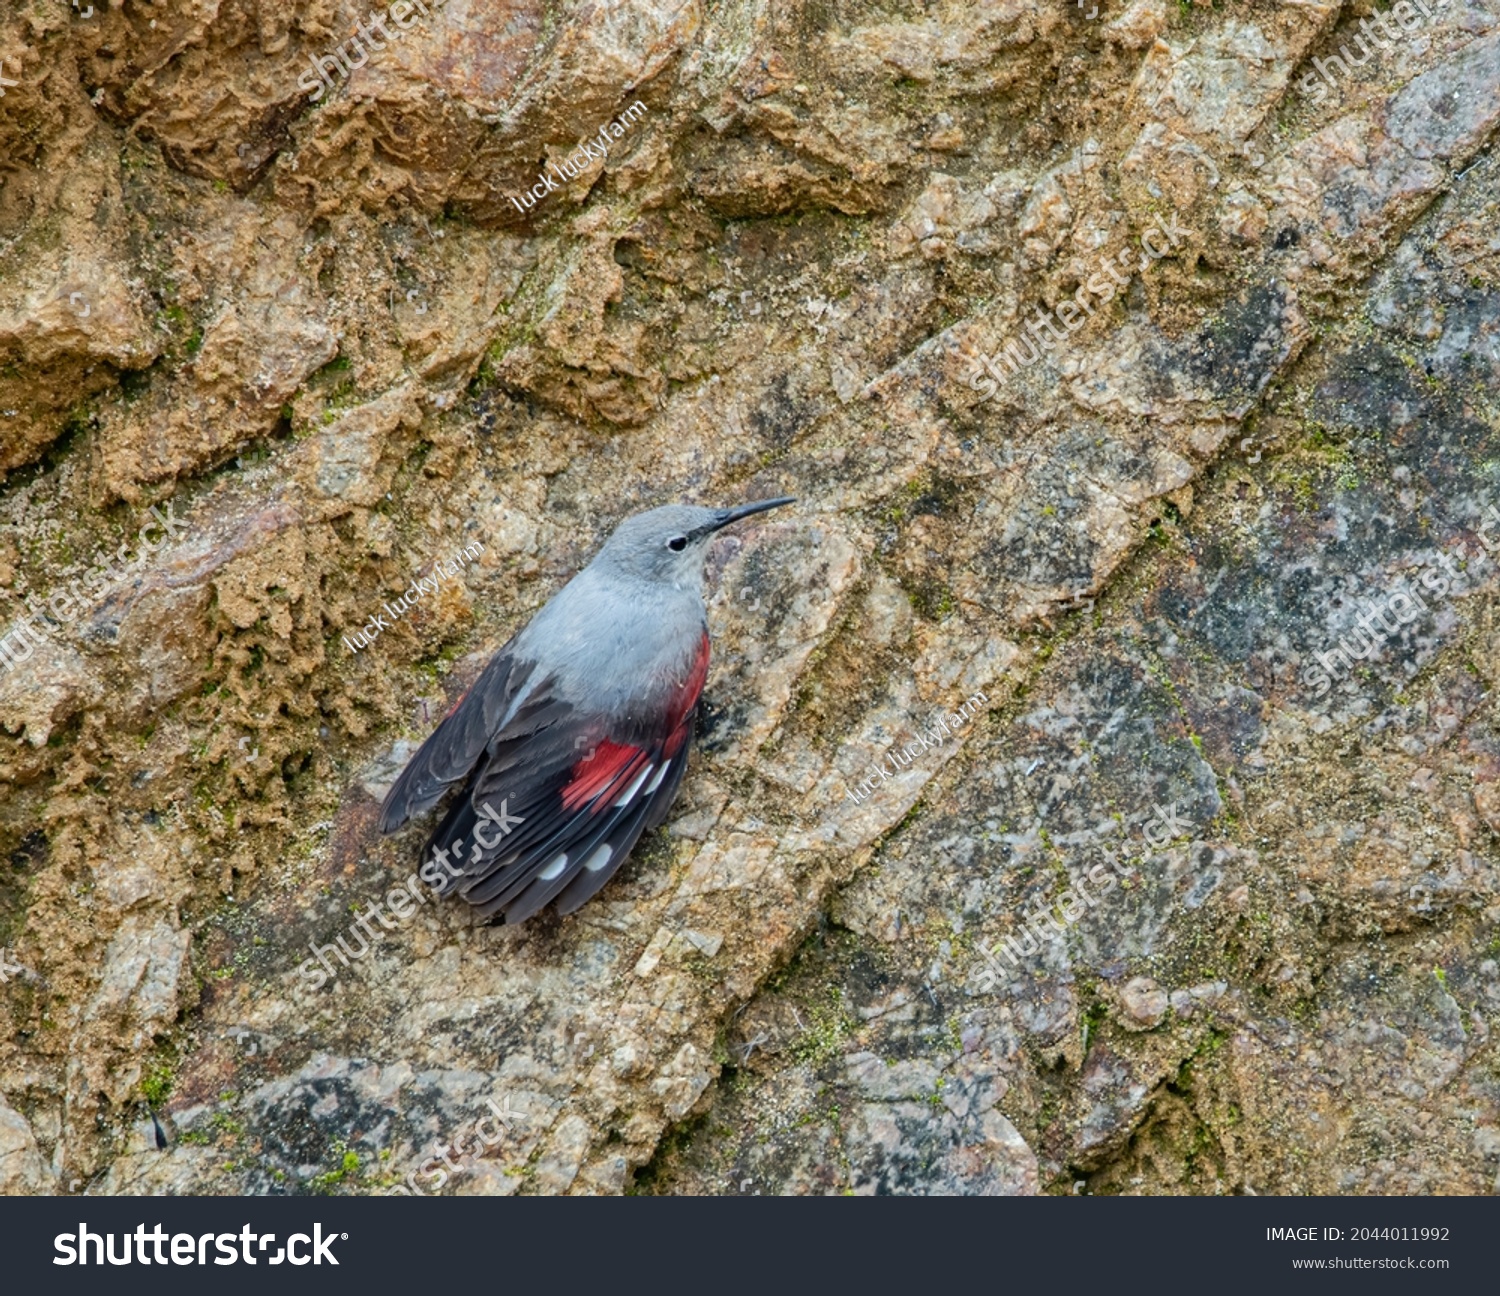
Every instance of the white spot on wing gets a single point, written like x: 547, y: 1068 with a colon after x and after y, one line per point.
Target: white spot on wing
x: 634, y: 787
x: 599, y: 858
x: 555, y: 868
x: 660, y: 774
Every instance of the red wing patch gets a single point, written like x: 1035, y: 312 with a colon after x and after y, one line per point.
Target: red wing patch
x: 610, y: 765
x: 687, y: 698
x: 461, y: 697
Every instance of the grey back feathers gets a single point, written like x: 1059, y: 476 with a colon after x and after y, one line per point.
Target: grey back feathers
x: 618, y: 632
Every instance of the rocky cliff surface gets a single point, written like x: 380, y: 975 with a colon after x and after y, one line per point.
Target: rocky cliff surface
x: 276, y: 342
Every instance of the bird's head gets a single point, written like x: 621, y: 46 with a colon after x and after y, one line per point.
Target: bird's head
x: 668, y: 544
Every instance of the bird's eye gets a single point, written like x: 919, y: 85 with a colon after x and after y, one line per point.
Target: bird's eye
x: 677, y: 544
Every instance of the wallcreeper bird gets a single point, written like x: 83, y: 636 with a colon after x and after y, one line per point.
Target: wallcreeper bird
x: 578, y: 728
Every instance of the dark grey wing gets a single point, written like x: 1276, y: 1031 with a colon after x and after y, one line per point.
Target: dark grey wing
x: 556, y: 799
x: 555, y: 809
x: 452, y: 750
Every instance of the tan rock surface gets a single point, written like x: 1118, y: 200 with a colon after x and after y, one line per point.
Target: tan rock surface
x: 328, y: 338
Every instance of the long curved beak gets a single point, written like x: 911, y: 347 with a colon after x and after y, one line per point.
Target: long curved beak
x: 726, y: 516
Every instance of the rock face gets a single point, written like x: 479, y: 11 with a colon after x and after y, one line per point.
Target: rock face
x: 1099, y: 783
